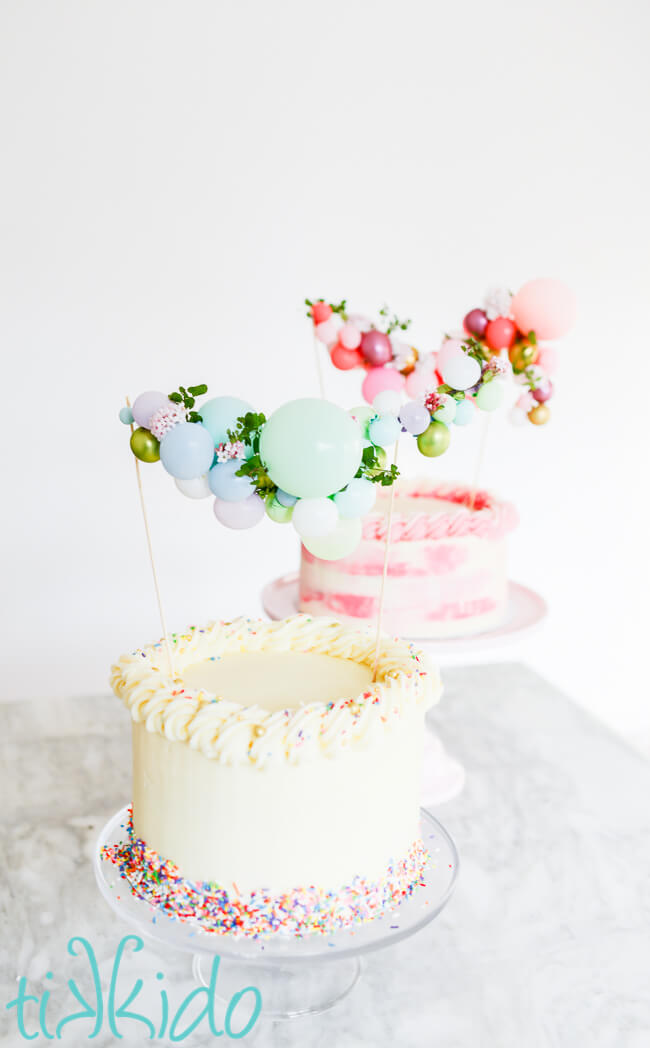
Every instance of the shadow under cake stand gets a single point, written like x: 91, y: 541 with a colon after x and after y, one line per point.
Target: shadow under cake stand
x: 295, y: 976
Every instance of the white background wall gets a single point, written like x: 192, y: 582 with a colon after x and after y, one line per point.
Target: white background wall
x: 176, y: 177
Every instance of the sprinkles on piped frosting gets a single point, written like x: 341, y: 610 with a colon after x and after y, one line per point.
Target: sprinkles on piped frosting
x: 302, y: 911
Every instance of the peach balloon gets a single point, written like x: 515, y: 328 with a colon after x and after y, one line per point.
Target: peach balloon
x: 547, y: 359
x: 378, y: 380
x: 545, y: 306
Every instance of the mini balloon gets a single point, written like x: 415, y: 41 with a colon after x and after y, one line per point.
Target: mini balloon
x: 285, y: 499
x: 539, y: 415
x: 521, y: 355
x: 220, y: 414
x: 545, y: 306
x: 327, y: 331
x: 376, y: 348
x: 543, y: 392
x: 387, y: 403
x: 419, y: 382
x: 476, y: 322
x: 382, y: 462
x: 362, y: 414
x: 447, y: 411
x: 226, y: 485
x: 435, y: 440
x: 345, y: 359
x: 356, y: 499
x: 490, y: 395
x: 276, y: 511
x: 187, y: 450
x: 547, y: 359
x: 459, y: 370
x: 350, y: 336
x: 239, y: 515
x: 384, y: 430
x: 314, y: 518
x: 340, y: 543
x: 311, y: 447
x: 145, y: 405
x: 500, y: 333
x: 414, y: 417
x: 144, y: 445
x: 126, y: 416
x: 321, y: 311
x: 465, y: 412
x: 195, y: 487
x: 379, y: 379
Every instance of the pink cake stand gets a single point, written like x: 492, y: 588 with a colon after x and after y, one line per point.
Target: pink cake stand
x: 295, y: 976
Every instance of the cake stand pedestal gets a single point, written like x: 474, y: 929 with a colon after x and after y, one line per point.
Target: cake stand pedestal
x: 294, y: 976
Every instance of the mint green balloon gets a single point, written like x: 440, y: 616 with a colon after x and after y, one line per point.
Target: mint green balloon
x: 311, y: 448
x: 339, y: 543
x: 276, y: 511
x: 490, y: 395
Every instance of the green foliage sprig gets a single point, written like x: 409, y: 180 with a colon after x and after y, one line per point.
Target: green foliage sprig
x: 187, y: 397
x: 394, y: 322
x: 476, y: 349
x: 371, y: 468
x: 249, y: 431
x: 336, y: 307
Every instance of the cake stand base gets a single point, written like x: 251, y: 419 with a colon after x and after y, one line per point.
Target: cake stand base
x: 287, y: 990
x: 295, y: 976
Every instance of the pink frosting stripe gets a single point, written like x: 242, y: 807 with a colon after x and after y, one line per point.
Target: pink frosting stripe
x: 490, y: 518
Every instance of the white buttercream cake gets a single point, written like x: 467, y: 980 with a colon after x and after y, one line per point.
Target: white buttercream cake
x: 447, y: 567
x: 276, y: 787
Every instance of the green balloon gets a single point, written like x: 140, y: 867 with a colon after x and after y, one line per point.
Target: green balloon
x: 276, y: 511
x: 490, y: 395
x: 339, y: 543
x: 145, y: 446
x: 435, y: 440
x: 311, y: 448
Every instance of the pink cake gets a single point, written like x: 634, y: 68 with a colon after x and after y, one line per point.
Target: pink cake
x: 447, y: 570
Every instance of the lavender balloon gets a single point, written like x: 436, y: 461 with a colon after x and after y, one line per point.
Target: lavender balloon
x: 145, y: 405
x: 414, y: 417
x: 239, y: 515
x: 376, y: 348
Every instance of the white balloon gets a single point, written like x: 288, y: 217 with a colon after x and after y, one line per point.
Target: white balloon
x: 460, y: 371
x: 314, y: 518
x: 387, y: 403
x: 195, y: 488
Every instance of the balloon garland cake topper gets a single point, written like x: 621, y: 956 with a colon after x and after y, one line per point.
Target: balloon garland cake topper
x: 311, y: 462
x: 507, y: 336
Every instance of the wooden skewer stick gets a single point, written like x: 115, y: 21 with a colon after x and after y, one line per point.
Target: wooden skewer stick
x: 153, y: 566
x: 479, y: 461
x: 382, y: 591
x: 319, y: 368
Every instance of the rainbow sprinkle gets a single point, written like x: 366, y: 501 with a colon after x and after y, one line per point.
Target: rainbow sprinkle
x: 158, y: 882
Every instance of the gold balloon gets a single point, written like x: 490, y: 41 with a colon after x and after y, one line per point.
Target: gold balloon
x: 539, y: 415
x: 411, y: 360
x: 521, y: 355
x: 435, y: 440
x: 145, y: 446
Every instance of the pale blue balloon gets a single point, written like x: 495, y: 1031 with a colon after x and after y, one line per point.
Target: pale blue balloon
x: 187, y: 450
x: 384, y: 430
x: 465, y: 411
x: 126, y: 416
x: 356, y: 499
x: 285, y: 499
x: 220, y: 414
x: 226, y: 485
x: 311, y: 448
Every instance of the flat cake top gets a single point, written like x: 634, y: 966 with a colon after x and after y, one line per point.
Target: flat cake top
x: 339, y: 708
x: 424, y: 510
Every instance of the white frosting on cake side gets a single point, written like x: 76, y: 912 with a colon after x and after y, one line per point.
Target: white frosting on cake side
x: 255, y: 793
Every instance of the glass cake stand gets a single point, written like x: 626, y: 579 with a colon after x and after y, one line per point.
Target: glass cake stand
x: 295, y: 976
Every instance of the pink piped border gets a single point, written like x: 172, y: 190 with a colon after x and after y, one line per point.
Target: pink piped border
x: 490, y: 519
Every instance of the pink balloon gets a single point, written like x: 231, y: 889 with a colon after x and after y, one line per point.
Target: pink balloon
x: 545, y: 306
x: 547, y: 359
x: 419, y: 382
x: 449, y: 348
x: 350, y: 336
x: 327, y: 331
x: 380, y: 379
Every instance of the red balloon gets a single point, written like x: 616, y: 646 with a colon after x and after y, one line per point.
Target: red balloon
x: 500, y: 333
x: 346, y: 359
x: 320, y: 311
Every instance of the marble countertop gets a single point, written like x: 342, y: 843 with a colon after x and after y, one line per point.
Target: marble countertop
x: 545, y: 942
